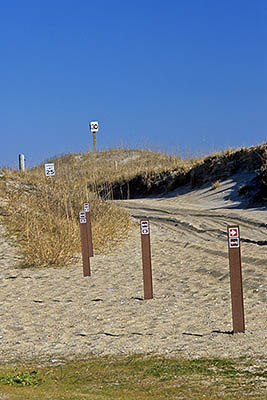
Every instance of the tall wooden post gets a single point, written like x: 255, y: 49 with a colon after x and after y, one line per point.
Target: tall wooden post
x: 94, y: 138
x: 146, y: 259
x: 89, y: 229
x: 236, y: 279
x: 94, y: 127
x: 84, y: 243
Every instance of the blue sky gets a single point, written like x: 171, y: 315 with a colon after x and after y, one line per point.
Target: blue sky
x: 186, y: 76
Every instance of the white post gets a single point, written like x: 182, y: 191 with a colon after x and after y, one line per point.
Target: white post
x: 21, y: 162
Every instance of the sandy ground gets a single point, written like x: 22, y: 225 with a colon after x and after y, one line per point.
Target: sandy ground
x: 55, y: 314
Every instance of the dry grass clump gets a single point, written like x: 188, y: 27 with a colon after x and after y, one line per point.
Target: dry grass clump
x: 43, y: 217
x: 215, y: 185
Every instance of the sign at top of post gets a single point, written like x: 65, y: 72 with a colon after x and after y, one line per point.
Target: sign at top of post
x: 86, y: 207
x: 94, y: 126
x: 50, y: 169
x: 82, y: 217
x: 234, y: 232
x: 144, y: 227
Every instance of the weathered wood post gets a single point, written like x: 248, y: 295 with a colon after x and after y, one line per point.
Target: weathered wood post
x: 84, y: 243
x: 146, y: 259
x: 236, y: 279
x: 86, y: 207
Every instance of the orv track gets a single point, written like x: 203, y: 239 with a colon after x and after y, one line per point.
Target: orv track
x: 202, y: 229
x: 197, y: 232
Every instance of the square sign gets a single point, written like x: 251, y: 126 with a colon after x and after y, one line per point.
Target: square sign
x: 144, y: 228
x: 94, y: 126
x: 233, y: 242
x: 86, y: 207
x: 50, y: 169
x: 82, y: 217
x: 233, y: 235
x: 233, y: 232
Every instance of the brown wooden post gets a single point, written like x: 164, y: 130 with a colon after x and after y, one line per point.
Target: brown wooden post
x: 84, y: 243
x: 89, y: 229
x: 94, y: 139
x: 146, y: 259
x: 236, y: 279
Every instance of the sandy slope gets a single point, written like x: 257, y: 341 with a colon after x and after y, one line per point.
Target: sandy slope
x: 56, y: 313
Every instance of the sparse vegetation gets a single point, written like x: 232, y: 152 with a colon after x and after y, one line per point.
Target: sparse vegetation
x: 137, y: 377
x: 21, y: 379
x: 215, y: 185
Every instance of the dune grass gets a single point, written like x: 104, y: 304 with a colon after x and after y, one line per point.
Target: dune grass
x: 136, y: 377
x: 41, y: 213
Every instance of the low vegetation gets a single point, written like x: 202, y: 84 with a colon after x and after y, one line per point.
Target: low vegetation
x: 136, y: 377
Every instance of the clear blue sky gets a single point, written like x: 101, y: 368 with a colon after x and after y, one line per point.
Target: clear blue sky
x: 178, y: 75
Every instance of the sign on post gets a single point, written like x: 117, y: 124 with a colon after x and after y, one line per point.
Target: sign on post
x: 94, y: 128
x: 236, y: 279
x: 146, y: 259
x: 86, y: 208
x: 50, y: 169
x: 84, y: 243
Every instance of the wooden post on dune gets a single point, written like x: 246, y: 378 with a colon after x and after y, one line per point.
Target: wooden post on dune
x: 94, y: 127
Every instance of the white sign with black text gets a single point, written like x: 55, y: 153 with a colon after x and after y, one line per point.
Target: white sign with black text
x: 144, y: 227
x: 82, y: 217
x: 86, y: 207
x: 50, y: 169
x: 94, y: 126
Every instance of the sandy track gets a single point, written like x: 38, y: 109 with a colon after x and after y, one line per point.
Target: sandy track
x: 56, y: 313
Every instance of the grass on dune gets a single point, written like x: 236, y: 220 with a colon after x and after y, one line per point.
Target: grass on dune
x: 102, y: 169
x: 41, y: 213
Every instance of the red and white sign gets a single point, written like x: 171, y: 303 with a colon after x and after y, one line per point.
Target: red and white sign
x: 233, y: 233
